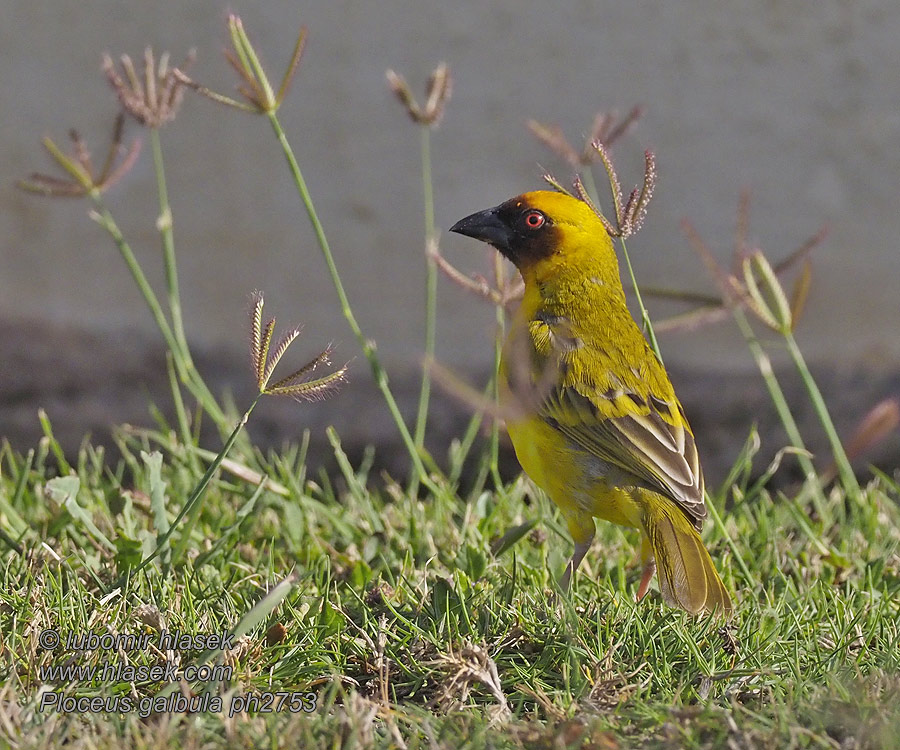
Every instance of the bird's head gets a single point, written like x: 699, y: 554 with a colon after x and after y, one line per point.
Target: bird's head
x: 543, y: 229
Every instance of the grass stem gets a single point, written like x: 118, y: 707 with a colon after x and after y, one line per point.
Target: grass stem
x: 845, y: 471
x: 164, y: 225
x: 430, y: 299
x: 368, y: 347
x: 781, y: 405
x: 645, y: 316
x: 186, y: 373
x: 500, y: 281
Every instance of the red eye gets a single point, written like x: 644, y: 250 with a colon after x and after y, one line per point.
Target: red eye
x: 534, y: 219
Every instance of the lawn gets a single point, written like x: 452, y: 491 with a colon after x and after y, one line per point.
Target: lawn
x: 377, y: 619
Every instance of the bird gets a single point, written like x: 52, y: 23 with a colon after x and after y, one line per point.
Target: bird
x: 589, y: 407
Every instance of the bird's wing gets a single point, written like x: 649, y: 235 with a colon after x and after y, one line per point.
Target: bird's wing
x: 645, y: 435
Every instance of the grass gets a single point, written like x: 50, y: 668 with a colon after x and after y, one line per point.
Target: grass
x: 424, y: 615
x: 410, y: 631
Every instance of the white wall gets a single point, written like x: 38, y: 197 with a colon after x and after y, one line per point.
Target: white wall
x: 797, y: 101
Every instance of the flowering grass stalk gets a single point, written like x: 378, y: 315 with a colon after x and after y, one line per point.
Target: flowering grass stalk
x: 259, y: 97
x: 427, y: 118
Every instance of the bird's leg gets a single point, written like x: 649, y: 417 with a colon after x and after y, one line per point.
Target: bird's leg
x: 581, y: 549
x: 649, y: 570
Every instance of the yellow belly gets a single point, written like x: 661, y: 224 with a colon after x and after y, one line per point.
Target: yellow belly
x: 580, y: 484
x: 573, y: 478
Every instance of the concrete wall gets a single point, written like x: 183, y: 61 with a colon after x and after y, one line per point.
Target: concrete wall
x: 797, y: 101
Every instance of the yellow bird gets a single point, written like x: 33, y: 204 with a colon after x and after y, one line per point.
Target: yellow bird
x: 591, y: 412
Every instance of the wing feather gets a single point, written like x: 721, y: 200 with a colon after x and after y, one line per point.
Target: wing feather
x: 643, y: 434
x: 659, y: 454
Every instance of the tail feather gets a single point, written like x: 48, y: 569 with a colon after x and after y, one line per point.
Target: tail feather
x: 687, y: 577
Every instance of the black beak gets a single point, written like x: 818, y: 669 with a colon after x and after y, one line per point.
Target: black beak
x: 485, y: 226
